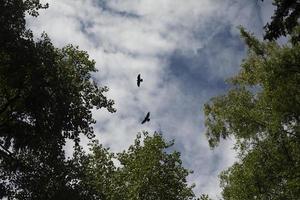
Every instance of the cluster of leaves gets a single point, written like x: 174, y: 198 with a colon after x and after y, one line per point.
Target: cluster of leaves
x: 262, y: 112
x: 46, y: 97
x: 284, y: 20
x: 145, y: 171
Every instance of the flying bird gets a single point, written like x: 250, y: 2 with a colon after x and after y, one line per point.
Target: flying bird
x: 139, y: 80
x: 147, y: 118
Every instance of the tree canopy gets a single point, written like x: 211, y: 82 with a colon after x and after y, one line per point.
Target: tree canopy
x: 146, y: 171
x: 262, y: 113
x: 284, y: 20
x: 46, y: 97
x: 46, y: 93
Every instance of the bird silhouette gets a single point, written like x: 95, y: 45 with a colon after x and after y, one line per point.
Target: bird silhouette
x: 139, y: 80
x: 147, y: 118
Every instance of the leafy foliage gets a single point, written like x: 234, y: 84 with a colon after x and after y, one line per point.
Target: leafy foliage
x: 93, y: 174
x: 146, y: 172
x: 46, y: 92
x: 284, y: 20
x: 262, y: 112
x: 46, y: 97
x: 151, y: 173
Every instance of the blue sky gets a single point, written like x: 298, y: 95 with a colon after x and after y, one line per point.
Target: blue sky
x: 184, y: 50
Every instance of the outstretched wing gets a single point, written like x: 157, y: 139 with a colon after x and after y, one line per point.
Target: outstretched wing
x: 144, y: 121
x: 148, y: 115
x: 147, y: 118
x: 139, y: 80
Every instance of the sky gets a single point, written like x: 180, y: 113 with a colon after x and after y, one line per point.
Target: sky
x: 184, y: 51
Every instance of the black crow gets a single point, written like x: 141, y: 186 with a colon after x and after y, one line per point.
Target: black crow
x: 139, y: 80
x: 147, y: 118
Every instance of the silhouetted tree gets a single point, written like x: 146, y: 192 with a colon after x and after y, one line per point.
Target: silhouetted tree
x: 284, y: 20
x: 46, y: 97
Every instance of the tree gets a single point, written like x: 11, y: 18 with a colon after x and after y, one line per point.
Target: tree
x: 262, y: 113
x: 149, y: 172
x: 46, y: 97
x: 93, y: 173
x: 284, y: 20
x: 146, y: 172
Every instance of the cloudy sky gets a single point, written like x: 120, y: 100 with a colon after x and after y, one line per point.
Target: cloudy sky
x: 184, y: 50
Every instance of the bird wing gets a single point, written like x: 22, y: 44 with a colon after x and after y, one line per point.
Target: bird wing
x: 138, y: 80
x: 146, y: 118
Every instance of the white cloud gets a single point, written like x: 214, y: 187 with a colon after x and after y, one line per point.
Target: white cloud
x: 128, y: 37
